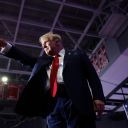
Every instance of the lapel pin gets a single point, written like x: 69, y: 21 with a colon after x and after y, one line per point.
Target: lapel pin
x: 69, y: 53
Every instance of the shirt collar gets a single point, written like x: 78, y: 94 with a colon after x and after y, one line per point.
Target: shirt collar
x: 62, y: 53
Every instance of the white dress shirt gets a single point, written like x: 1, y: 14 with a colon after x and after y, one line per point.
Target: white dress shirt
x: 60, y: 69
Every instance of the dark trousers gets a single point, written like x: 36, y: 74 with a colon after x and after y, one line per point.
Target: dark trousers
x: 65, y: 115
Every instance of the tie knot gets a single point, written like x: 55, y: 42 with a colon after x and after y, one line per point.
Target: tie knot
x: 56, y: 60
x: 57, y: 55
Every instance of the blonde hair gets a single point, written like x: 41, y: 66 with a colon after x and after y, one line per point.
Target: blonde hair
x: 50, y: 36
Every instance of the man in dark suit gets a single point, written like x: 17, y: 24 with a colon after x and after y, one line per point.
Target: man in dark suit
x: 78, y: 86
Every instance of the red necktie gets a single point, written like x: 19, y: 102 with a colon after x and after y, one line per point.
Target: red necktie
x: 53, y: 76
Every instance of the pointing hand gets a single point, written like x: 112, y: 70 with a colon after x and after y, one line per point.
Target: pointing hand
x: 3, y: 43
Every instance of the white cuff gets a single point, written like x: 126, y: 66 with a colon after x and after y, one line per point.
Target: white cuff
x: 6, y: 48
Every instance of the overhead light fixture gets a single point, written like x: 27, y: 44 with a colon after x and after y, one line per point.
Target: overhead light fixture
x: 4, y: 79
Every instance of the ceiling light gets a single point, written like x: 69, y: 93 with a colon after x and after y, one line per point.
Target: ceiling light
x: 4, y: 79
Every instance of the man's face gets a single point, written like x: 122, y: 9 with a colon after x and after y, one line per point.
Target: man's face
x: 49, y: 47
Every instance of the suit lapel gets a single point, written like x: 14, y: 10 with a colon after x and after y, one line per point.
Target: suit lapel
x: 66, y: 56
x: 43, y: 62
x: 46, y: 60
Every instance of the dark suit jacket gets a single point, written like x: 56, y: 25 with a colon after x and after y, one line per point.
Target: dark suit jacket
x: 36, y: 100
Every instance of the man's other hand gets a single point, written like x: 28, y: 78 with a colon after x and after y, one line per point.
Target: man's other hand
x: 99, y: 106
